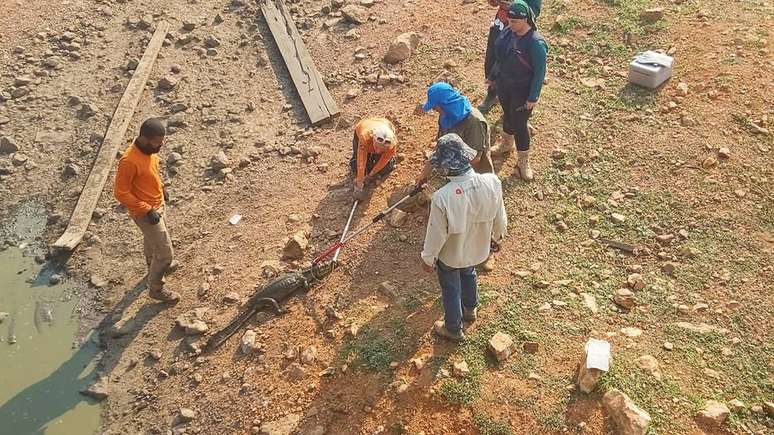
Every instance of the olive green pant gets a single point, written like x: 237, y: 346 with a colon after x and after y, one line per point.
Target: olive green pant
x: 157, y: 247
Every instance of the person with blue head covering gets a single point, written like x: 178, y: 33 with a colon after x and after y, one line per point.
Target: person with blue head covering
x: 466, y: 215
x: 457, y: 115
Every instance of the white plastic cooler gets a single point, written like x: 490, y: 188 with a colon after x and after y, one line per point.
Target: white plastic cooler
x: 650, y: 69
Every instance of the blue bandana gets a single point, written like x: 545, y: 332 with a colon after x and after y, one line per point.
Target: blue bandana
x: 454, y: 106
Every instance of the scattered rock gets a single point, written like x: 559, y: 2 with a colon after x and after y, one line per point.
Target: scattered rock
x: 629, y: 419
x: 3, y: 316
x: 588, y: 378
x: 650, y: 365
x: 769, y: 407
x: 309, y: 355
x: 624, y: 298
x: 635, y: 282
x: 460, y: 369
x: 590, y: 302
x: 97, y: 281
x: 388, y: 289
x: 219, y: 161
x: 55, y: 279
x: 191, y: 321
x: 397, y: 218
x: 652, y: 15
x: 248, y: 344
x: 87, y: 110
x: 355, y: 14
x: 284, y: 426
x: 402, y: 47
x: 71, y: 170
x: 668, y: 346
x: 231, y: 298
x: 709, y: 162
x: 212, y: 42
x: 714, y: 414
x: 98, y: 390
x: 724, y: 152
x: 737, y: 405
x: 8, y: 145
x: 618, y: 218
x: 186, y: 415
x: 296, y: 372
x: 631, y: 332
x: 167, y: 83
x: 295, y: 247
x: 669, y: 268
x: 501, y: 345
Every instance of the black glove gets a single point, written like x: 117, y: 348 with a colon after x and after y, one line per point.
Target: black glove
x: 153, y: 217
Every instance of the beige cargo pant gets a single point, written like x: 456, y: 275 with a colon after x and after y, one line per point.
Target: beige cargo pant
x: 157, y: 247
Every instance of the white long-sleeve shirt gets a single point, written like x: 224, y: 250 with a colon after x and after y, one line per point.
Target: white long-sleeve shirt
x: 465, y: 215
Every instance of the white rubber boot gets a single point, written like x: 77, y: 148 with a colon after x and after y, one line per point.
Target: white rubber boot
x: 522, y: 164
x: 505, y: 146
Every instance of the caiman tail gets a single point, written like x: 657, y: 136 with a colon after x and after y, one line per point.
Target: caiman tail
x: 270, y: 296
x: 224, y: 334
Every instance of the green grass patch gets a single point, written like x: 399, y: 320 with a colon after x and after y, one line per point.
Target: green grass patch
x: 488, y: 425
x: 375, y: 349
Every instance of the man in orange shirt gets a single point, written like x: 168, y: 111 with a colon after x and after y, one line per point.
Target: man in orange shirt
x: 139, y: 187
x: 373, y: 152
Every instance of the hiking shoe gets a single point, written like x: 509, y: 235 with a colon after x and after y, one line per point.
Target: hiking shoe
x: 173, y: 266
x: 470, y: 314
x: 164, y: 295
x: 440, y: 329
x: 522, y: 164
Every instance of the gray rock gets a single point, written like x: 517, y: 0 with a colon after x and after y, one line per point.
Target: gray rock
x: 284, y: 426
x: 629, y: 419
x: 249, y: 345
x: 19, y: 159
x: 22, y: 81
x: 167, y: 83
x: 714, y: 414
x: 501, y: 345
x: 98, y: 390
x: 295, y: 247
x: 132, y: 64
x: 219, y: 161
x: 186, y: 415
x: 55, y: 279
x: 87, y: 110
x: 174, y: 158
x: 97, y: 281
x: 212, y: 42
x: 402, y: 47
x: 20, y: 92
x: 8, y: 145
x: 191, y: 321
x: 355, y: 14
x: 3, y: 316
x: 71, y: 170
x: 309, y: 355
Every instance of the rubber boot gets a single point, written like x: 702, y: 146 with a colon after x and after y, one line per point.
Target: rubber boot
x: 505, y: 146
x: 489, y: 101
x: 522, y: 164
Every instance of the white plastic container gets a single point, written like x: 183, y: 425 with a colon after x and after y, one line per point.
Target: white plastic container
x: 650, y: 69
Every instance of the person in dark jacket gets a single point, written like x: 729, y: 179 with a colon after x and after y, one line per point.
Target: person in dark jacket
x: 518, y: 74
x: 499, y: 23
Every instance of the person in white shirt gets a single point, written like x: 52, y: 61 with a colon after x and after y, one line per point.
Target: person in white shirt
x: 466, y: 215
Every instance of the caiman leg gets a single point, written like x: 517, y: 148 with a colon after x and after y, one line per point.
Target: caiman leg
x: 273, y: 304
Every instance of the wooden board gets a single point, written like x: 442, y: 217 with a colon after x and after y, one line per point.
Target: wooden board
x: 317, y: 100
x: 114, y: 138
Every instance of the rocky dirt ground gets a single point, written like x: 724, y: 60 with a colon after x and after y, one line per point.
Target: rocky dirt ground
x: 684, y: 174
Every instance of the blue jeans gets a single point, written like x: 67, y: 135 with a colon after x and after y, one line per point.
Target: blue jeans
x: 459, y: 288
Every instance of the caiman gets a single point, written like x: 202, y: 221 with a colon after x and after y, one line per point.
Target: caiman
x: 269, y: 296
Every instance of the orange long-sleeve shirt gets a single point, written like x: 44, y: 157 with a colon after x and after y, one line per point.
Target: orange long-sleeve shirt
x: 138, y: 183
x: 365, y: 146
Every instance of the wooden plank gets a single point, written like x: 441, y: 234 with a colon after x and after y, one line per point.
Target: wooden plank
x: 114, y: 138
x: 317, y: 100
